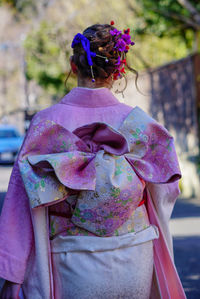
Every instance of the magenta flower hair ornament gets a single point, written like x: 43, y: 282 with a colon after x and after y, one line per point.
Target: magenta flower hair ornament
x: 123, y: 42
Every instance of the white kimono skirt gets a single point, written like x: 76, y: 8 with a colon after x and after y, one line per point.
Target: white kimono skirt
x: 88, y: 267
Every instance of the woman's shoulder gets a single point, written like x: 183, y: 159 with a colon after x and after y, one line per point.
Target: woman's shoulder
x: 51, y: 113
x: 46, y: 112
x: 139, y: 123
x: 137, y: 115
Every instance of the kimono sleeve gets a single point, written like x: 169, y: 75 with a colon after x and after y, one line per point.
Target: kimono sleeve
x: 163, y: 197
x: 16, y: 230
x: 17, y: 238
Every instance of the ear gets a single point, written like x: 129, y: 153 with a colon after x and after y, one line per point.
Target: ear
x: 73, y: 66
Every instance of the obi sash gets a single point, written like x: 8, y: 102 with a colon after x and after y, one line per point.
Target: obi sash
x: 107, y: 167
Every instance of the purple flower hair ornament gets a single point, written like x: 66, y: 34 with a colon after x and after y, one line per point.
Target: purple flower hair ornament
x: 115, y: 32
x: 123, y: 41
x: 118, y: 61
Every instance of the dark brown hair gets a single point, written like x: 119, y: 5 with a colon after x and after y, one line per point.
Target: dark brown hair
x: 102, y: 43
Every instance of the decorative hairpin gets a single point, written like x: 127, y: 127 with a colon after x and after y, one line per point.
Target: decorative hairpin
x: 123, y: 43
x: 80, y: 38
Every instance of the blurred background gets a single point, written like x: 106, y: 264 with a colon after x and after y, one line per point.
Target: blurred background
x: 35, y: 46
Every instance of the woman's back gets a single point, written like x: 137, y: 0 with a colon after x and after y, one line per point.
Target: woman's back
x: 82, y: 106
x: 86, y: 184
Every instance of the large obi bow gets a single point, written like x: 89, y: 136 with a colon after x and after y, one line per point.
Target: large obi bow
x: 96, y: 157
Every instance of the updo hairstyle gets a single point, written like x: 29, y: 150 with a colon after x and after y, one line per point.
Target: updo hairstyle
x: 102, y: 43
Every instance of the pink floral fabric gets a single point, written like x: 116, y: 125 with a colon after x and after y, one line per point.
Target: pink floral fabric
x: 104, y: 166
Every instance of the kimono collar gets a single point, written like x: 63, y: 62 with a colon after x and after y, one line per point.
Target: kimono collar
x: 90, y: 97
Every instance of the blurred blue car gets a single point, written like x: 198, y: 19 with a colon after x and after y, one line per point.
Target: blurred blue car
x: 10, y: 143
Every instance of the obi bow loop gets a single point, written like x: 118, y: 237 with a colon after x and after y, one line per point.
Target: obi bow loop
x: 65, y: 162
x: 152, y: 153
x: 99, y: 136
x: 54, y: 160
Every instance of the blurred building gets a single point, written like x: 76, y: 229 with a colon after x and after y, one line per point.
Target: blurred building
x: 172, y: 96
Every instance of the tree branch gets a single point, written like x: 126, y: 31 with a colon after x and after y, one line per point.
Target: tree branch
x: 144, y: 62
x: 131, y: 7
x: 194, y: 12
x: 172, y: 15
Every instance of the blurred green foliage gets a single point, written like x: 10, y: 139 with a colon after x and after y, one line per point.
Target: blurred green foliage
x: 167, y: 18
x: 21, y: 6
x: 47, y: 61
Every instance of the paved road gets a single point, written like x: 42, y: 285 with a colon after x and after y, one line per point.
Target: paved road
x: 185, y: 228
x: 5, y: 171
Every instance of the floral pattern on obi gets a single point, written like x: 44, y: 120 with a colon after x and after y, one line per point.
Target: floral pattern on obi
x: 62, y: 225
x: 117, y: 194
x: 106, y: 167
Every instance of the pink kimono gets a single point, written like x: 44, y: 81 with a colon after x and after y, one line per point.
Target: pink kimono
x: 73, y: 163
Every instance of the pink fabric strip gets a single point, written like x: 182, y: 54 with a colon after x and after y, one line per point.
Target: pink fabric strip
x: 169, y: 281
x: 50, y: 261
